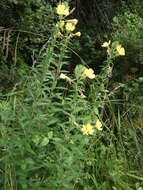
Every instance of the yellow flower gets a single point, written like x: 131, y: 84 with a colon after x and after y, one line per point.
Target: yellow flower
x: 87, y: 129
x: 98, y: 125
x: 66, y: 11
x: 106, y: 44
x: 78, y: 34
x: 59, y: 34
x: 108, y: 51
x: 64, y: 77
x: 73, y: 21
x: 89, y: 73
x: 120, y: 50
x: 70, y: 27
x: 62, y: 10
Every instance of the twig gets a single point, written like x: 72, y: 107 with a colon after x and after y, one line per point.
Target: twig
x: 33, y: 60
x: 7, y: 44
x: 15, y: 51
x: 4, y: 37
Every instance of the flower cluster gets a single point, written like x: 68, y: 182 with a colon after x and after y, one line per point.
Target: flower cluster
x: 89, y: 129
x: 66, y: 25
x: 120, y: 51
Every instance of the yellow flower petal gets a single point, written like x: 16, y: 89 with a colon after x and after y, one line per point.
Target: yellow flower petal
x: 98, y: 125
x: 106, y: 44
x: 89, y: 73
x: 108, y: 51
x: 62, y: 10
x: 78, y: 34
x: 70, y: 27
x: 120, y: 50
x: 73, y: 21
x: 66, y: 12
x: 59, y: 34
x: 64, y: 77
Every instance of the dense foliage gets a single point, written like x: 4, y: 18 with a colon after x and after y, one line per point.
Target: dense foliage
x: 71, y: 95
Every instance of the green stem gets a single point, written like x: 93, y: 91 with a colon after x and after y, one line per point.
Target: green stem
x: 60, y: 64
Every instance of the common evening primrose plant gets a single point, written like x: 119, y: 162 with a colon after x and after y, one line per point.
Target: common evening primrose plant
x: 52, y: 121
